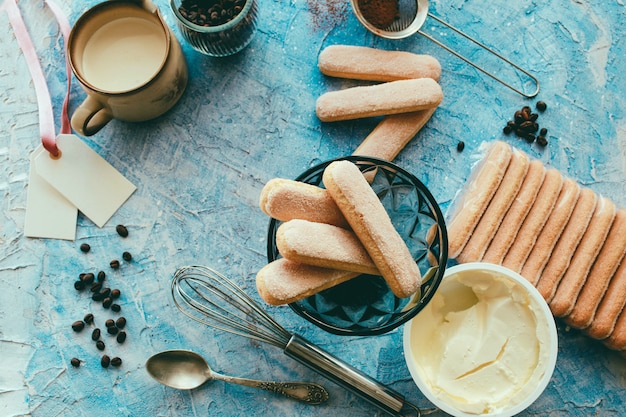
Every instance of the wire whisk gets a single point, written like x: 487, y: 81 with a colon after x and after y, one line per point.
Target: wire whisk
x: 210, y: 298
x: 218, y: 302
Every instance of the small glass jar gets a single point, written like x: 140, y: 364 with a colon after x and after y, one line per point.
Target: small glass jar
x: 222, y: 39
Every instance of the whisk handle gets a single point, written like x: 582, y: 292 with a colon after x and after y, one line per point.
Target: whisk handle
x: 343, y: 374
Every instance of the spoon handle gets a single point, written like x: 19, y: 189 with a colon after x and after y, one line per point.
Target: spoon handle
x: 307, y: 392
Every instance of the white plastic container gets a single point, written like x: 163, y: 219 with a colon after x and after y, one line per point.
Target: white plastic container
x: 485, y: 345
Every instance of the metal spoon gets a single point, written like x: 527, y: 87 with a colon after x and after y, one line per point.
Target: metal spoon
x: 184, y: 369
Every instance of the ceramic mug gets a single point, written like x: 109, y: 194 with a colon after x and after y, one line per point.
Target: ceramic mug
x: 129, y: 63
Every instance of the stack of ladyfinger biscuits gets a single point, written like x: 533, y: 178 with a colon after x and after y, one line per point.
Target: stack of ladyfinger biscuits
x: 565, y: 239
x: 405, y: 91
x: 330, y: 235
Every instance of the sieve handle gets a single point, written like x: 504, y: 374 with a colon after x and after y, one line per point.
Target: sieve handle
x: 348, y: 377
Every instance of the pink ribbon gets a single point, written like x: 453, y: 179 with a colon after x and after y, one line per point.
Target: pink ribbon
x: 46, y: 116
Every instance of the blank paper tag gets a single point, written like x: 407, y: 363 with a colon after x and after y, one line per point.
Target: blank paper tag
x: 83, y: 177
x: 48, y: 213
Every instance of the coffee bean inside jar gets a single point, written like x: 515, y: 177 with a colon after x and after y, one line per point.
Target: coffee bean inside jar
x: 210, y: 12
x: 216, y: 27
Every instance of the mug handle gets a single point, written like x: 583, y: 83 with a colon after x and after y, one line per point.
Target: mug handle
x: 90, y: 117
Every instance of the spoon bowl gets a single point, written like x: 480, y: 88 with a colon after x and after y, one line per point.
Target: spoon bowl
x: 186, y: 370
x: 180, y: 369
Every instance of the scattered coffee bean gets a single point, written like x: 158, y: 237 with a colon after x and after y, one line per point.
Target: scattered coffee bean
x: 95, y: 334
x: 96, y: 287
x: 87, y: 278
x: 541, y: 106
x: 526, y: 113
x: 121, y: 230
x: 525, y: 126
x: 105, y: 361
x: 542, y: 141
x: 120, y: 322
x: 460, y: 146
x: 528, y: 126
x: 95, y: 283
x: 543, y: 131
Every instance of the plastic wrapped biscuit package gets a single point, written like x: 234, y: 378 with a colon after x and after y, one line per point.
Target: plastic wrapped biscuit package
x: 564, y: 238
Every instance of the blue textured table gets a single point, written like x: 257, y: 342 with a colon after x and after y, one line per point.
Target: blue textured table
x: 199, y: 170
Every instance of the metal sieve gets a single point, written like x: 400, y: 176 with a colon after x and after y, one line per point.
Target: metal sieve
x: 410, y: 19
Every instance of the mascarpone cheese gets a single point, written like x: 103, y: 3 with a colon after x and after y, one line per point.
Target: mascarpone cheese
x: 483, y: 343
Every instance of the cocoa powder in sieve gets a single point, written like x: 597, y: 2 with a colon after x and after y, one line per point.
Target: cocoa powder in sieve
x: 379, y: 13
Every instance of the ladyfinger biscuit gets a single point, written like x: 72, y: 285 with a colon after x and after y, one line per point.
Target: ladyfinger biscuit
x: 392, y: 134
x: 371, y: 223
x: 283, y: 281
x: 481, y: 186
x: 379, y: 100
x: 617, y: 338
x: 363, y: 63
x: 535, y: 220
x: 599, y: 277
x: 574, y: 278
x: 284, y: 200
x: 560, y: 215
x: 495, y: 212
x: 611, y: 306
x: 323, y: 245
x: 515, y: 216
x: 559, y: 259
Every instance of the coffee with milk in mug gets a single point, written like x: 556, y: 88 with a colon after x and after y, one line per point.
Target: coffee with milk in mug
x: 129, y: 63
x: 124, y: 54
